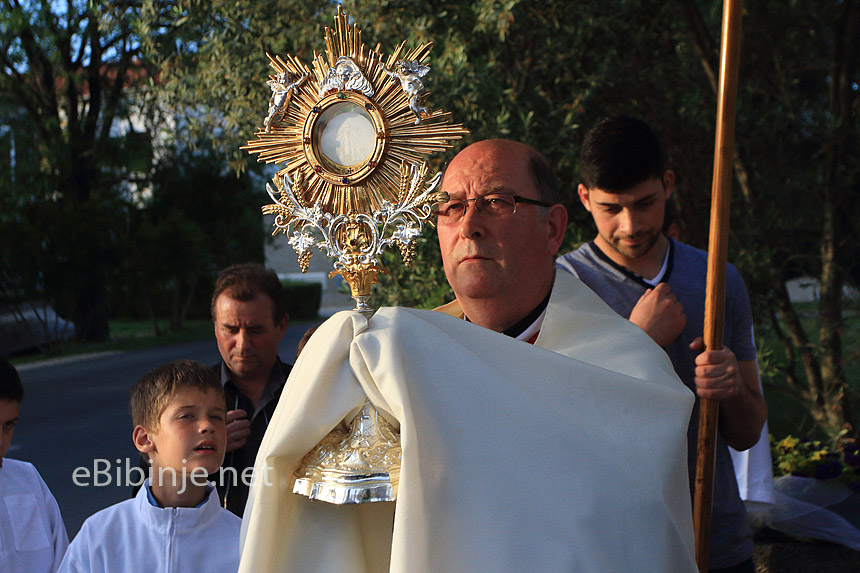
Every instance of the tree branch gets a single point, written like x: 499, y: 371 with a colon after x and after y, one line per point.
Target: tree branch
x: 708, y: 55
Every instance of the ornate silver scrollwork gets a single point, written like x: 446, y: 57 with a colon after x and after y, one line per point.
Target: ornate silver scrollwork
x: 358, y: 238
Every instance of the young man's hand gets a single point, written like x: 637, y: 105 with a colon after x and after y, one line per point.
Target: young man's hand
x: 718, y: 376
x: 238, y: 429
x: 659, y: 314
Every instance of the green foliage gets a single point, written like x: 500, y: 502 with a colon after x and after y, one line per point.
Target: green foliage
x: 789, y: 411
x: 539, y: 72
x: 420, y: 285
x: 199, y: 219
x: 65, y: 69
x: 814, y: 459
x: 211, y: 58
x: 303, y: 299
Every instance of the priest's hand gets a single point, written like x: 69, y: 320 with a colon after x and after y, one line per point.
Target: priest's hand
x: 659, y: 314
x: 238, y: 429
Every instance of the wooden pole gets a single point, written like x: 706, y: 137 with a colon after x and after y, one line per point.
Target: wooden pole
x: 717, y: 259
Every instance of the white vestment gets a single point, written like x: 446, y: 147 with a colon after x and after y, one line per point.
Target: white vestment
x: 515, y: 457
x: 32, y: 535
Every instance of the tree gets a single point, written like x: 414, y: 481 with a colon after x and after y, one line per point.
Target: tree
x: 798, y: 209
x: 199, y: 219
x: 68, y: 66
x: 211, y: 58
x: 545, y: 72
x: 22, y: 288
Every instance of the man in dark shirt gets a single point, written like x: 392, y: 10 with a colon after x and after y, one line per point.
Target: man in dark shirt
x: 250, y: 318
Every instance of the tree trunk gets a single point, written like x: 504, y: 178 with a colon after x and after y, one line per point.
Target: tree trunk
x: 189, y: 298
x: 835, y: 195
x: 150, y: 310
x: 90, y: 314
x: 175, y: 319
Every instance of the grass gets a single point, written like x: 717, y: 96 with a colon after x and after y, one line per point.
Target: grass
x: 133, y: 335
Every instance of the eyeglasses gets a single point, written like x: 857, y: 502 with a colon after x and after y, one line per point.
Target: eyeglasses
x: 497, y: 206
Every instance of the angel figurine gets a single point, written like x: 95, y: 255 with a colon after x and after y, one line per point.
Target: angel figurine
x: 345, y: 75
x: 408, y: 72
x: 281, y: 91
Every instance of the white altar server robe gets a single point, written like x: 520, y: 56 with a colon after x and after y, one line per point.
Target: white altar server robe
x: 134, y: 536
x: 32, y: 535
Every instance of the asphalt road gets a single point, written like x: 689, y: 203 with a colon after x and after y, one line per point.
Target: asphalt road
x: 75, y: 418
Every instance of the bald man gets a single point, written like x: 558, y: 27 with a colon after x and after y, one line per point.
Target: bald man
x: 539, y: 430
x: 499, y: 234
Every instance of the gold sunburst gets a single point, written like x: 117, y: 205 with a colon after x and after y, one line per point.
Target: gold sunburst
x: 353, y: 132
x: 291, y: 135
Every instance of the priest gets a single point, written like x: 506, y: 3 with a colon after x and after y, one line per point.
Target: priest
x: 540, y: 431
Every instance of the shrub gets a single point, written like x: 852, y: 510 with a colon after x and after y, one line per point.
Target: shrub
x: 813, y: 459
x: 303, y: 299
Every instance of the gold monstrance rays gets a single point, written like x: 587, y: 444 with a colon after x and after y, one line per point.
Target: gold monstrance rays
x: 352, y: 132
x: 290, y: 139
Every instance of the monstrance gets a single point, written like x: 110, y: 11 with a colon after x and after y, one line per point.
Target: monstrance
x: 353, y: 132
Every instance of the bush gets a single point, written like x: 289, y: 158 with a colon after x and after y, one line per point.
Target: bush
x: 813, y: 459
x: 303, y: 299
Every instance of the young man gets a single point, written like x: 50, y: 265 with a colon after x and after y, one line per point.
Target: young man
x: 249, y: 312
x: 32, y: 534
x: 175, y: 522
x: 659, y: 284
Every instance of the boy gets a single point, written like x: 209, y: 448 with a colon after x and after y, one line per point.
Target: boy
x: 175, y: 522
x: 32, y: 534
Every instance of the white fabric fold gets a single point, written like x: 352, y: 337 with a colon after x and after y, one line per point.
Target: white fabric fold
x: 754, y: 468
x: 515, y: 457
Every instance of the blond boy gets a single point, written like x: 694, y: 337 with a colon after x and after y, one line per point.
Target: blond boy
x: 175, y: 522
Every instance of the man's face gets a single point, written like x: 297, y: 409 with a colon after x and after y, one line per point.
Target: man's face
x: 247, y: 335
x: 629, y: 223
x: 487, y: 258
x: 8, y: 420
x: 192, y: 433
